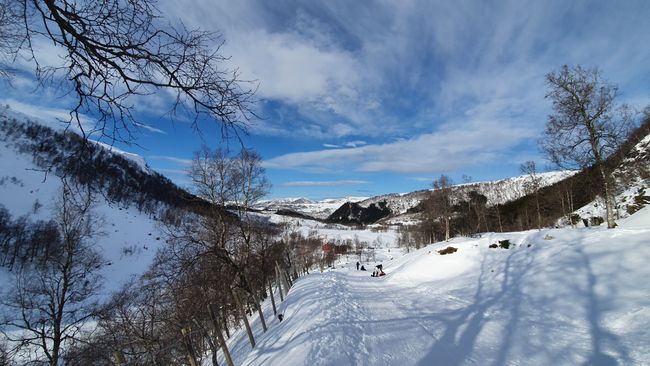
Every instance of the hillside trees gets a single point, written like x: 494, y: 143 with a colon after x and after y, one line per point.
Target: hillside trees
x: 587, y: 125
x: 51, y: 301
x: 114, y: 51
x: 441, y: 202
x: 533, y: 185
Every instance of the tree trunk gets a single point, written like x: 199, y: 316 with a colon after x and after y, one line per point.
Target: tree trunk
x: 259, y: 310
x: 446, y: 228
x: 222, y: 342
x: 499, y: 218
x: 242, y: 313
x: 609, y: 199
x: 278, y: 277
x: 275, y: 311
x: 191, y: 358
x: 539, y: 215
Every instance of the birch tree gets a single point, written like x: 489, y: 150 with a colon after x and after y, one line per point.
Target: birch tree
x: 52, y: 302
x: 587, y: 125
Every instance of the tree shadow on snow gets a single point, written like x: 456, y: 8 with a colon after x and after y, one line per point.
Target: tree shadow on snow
x: 509, y: 321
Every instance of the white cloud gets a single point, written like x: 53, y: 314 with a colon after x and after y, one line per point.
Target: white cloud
x: 325, y: 183
x: 355, y: 143
x: 405, y: 66
x: 453, y: 147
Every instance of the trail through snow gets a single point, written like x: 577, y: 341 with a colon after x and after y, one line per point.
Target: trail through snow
x: 559, y: 297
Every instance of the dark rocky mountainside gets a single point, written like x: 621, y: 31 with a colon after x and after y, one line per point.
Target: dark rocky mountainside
x: 353, y: 213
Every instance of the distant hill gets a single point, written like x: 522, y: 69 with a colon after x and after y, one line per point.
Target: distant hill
x: 129, y: 196
x: 121, y: 177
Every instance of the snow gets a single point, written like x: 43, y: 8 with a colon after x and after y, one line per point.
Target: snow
x: 383, y: 238
x: 134, y: 158
x: 129, y: 241
x: 557, y: 297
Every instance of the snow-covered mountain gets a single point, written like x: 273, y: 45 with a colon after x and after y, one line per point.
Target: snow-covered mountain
x: 317, y: 209
x: 497, y: 192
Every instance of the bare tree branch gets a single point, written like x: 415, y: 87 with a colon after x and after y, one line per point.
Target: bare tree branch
x: 116, y: 51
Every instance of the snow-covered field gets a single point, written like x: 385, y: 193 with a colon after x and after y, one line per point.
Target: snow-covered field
x: 558, y: 297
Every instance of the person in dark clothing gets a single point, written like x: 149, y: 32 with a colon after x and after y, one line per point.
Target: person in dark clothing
x: 358, y: 265
x: 363, y: 268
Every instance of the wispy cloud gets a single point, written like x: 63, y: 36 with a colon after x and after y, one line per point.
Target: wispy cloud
x: 150, y: 128
x: 173, y: 159
x: 421, y: 179
x: 172, y: 171
x: 325, y: 183
x: 57, y: 118
x: 453, y: 147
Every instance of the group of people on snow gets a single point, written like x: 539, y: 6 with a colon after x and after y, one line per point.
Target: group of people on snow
x: 378, y: 272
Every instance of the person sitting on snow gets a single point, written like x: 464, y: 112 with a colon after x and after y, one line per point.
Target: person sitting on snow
x: 379, y: 271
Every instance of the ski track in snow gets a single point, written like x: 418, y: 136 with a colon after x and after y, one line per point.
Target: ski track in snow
x: 580, y: 298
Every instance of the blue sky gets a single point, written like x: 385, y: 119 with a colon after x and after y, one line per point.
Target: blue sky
x: 360, y: 98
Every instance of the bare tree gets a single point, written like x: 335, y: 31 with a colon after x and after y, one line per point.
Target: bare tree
x: 51, y: 302
x: 587, y: 126
x: 532, y: 185
x: 236, y: 242
x: 115, y: 50
x: 11, y: 35
x: 442, y: 201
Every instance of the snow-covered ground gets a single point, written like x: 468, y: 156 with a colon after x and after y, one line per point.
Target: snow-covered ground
x: 558, y: 297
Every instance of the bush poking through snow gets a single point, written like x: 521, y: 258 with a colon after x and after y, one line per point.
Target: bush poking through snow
x: 447, y: 250
x: 596, y: 220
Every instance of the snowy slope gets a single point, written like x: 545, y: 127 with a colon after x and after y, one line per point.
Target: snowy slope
x: 130, y: 238
x: 632, y: 181
x: 559, y: 297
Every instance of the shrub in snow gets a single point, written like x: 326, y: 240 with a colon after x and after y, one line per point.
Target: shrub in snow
x: 447, y: 250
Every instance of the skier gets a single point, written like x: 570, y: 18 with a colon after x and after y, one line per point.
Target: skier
x: 358, y: 265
